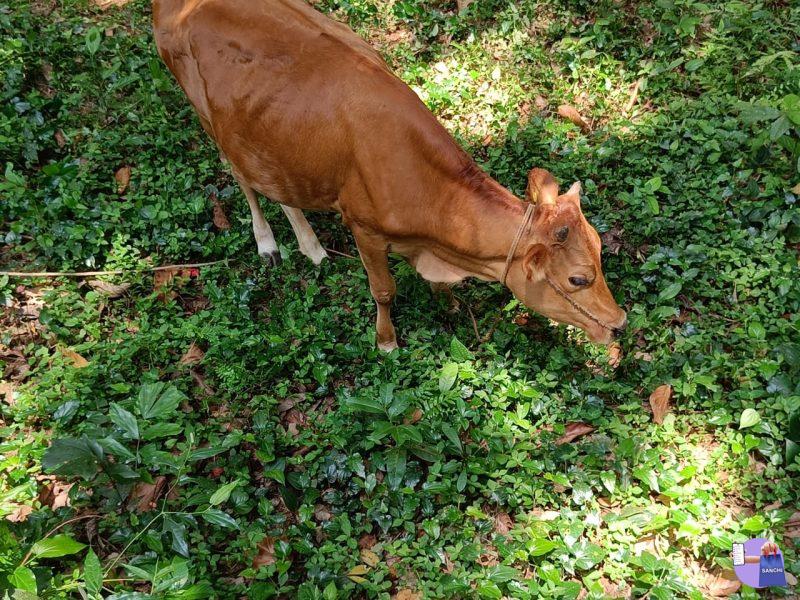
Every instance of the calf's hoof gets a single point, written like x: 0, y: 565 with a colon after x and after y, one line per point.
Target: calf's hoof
x: 273, y: 258
x: 387, y: 346
x: 316, y: 255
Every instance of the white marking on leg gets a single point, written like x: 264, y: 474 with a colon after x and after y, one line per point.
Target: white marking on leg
x: 265, y: 241
x: 306, y: 238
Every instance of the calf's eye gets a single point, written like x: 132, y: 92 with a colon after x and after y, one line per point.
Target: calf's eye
x: 578, y: 281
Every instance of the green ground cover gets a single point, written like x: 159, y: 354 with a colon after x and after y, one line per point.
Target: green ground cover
x: 284, y: 455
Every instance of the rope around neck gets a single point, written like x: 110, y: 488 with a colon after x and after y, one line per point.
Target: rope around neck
x: 556, y: 288
x: 515, y: 243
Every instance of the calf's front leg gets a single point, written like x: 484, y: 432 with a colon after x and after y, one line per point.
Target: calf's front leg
x: 373, y: 250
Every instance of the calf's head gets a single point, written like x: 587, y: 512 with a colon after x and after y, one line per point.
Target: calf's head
x: 558, y: 272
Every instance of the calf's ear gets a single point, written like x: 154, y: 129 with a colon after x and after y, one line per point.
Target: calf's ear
x: 533, y: 259
x: 542, y: 187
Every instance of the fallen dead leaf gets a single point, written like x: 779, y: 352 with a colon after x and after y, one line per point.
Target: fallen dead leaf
x: 7, y: 392
x: 546, y: 515
x: 55, y: 494
x: 112, y: 290
x: 791, y: 579
x: 77, y: 360
x: 792, y: 526
x: 367, y: 541
x: 796, y: 189
x: 19, y: 514
x: 659, y: 402
x: 164, y: 277
x: 573, y: 431
x: 540, y: 102
x: 356, y: 574
x: 123, y: 178
x: 369, y: 558
x: 192, y: 355
x: 145, y: 495
x: 321, y: 513
x: 61, y: 140
x: 220, y: 218
x: 463, y: 4
x: 503, y: 523
x: 406, y: 594
x: 721, y: 584
x: 569, y: 113
x: 614, y: 355
x: 612, y: 240
x: 415, y: 417
x: 266, y: 553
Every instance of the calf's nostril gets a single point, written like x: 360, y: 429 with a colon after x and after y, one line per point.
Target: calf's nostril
x: 618, y: 331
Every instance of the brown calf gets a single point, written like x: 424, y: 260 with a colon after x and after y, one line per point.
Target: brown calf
x: 310, y: 116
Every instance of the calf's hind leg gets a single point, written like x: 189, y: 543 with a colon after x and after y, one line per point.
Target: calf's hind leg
x: 373, y: 251
x: 265, y: 241
x: 306, y: 238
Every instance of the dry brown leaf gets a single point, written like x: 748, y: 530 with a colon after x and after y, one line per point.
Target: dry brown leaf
x: 164, y: 277
x: 792, y: 526
x: 123, y: 178
x: 573, y: 431
x: 192, y: 355
x: 19, y: 514
x: 796, y: 189
x: 367, y: 541
x: 415, y: 417
x: 7, y: 392
x: 266, y: 553
x: 145, y: 495
x: 540, y: 102
x: 721, y: 584
x: 356, y: 574
x: 659, y: 402
x: 112, y: 290
x: 463, y: 4
x: 61, y: 140
x: 612, y: 240
x: 569, y: 113
x: 406, y: 594
x: 368, y: 557
x: 614, y: 355
x: 321, y: 513
x: 55, y: 494
x: 220, y: 218
x: 77, y: 360
x: 503, y: 523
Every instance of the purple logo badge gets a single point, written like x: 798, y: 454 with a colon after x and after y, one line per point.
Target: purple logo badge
x: 759, y: 563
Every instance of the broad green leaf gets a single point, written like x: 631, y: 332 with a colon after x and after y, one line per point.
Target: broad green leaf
x: 459, y: 352
x: 223, y: 493
x: 220, y: 518
x: 159, y: 430
x: 452, y: 435
x: 756, y: 330
x: 23, y: 579
x: 652, y: 204
x: 124, y: 420
x: 330, y: 592
x: 653, y: 185
x: 93, y: 38
x: 540, y: 546
x: 72, y: 457
x: 502, y: 573
x: 112, y: 446
x: 367, y: 405
x: 609, y: 480
x: 461, y: 482
x: 58, y: 545
x: 749, y: 418
x: 158, y: 400
x: 92, y: 573
x: 669, y: 292
x: 395, y: 467
x: 752, y: 113
x: 791, y: 108
x: 448, y: 376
